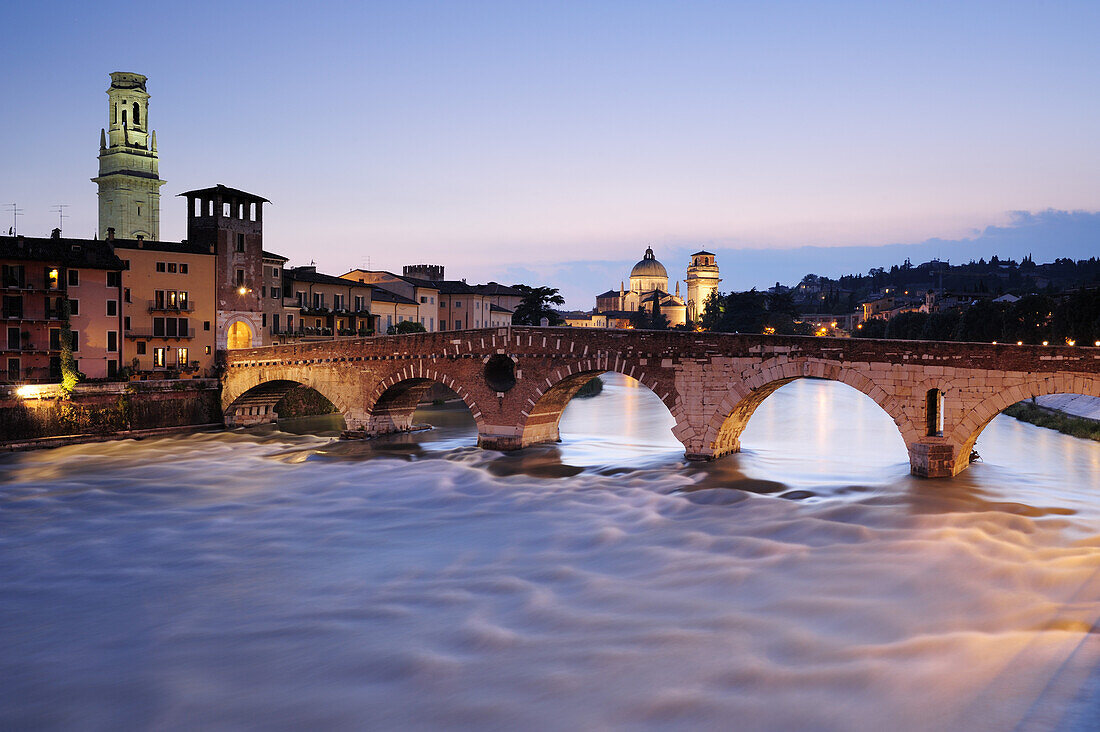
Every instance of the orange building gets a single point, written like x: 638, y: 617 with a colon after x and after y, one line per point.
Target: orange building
x: 168, y: 306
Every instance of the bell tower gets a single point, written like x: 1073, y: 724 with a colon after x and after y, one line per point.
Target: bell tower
x: 702, y: 280
x: 129, y: 176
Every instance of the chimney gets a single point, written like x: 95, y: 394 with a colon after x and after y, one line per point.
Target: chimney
x: 141, y: 241
x: 110, y: 233
x: 55, y: 234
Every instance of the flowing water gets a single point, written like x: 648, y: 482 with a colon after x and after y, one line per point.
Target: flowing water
x: 264, y: 579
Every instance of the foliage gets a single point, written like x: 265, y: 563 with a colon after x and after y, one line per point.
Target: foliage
x: 591, y: 388
x: 406, y: 326
x: 1088, y: 429
x: 752, y: 312
x: 536, y: 305
x: 70, y: 375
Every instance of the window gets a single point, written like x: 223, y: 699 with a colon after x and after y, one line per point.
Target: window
x: 206, y: 325
x: 172, y: 267
x: 139, y: 209
x: 275, y: 323
x: 158, y: 327
x: 423, y: 298
x: 13, y: 306
x: 198, y: 207
x: 208, y: 350
x: 318, y: 300
x: 112, y: 308
x: 252, y: 211
x: 389, y: 321
x: 227, y: 212
x: 14, y: 369
x: 458, y: 303
x: 290, y: 322
x: 160, y: 266
x: 74, y: 277
x: 126, y: 295
x: 181, y: 356
x: 359, y: 303
x: 181, y: 299
x: 183, y: 267
x: 338, y: 302
x: 935, y: 413
x: 74, y: 307
x: 112, y: 367
x: 112, y: 341
x: 74, y: 340
x: 458, y: 325
x: 140, y: 345
x: 301, y: 297
x: 442, y: 303
x: 126, y: 323
x: 275, y: 293
x: 263, y: 320
x: 210, y: 208
x: 240, y: 242
x: 137, y: 115
x: 159, y: 357
x: 240, y: 278
x: 13, y: 339
x: 159, y: 298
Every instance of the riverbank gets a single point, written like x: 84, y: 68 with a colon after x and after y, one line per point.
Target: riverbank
x: 39, y: 415
x: 1068, y: 424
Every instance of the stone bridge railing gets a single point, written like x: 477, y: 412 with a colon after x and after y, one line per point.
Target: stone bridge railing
x: 516, y: 381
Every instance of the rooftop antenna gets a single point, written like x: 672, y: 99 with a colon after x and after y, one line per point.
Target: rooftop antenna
x: 15, y: 213
x: 61, y: 215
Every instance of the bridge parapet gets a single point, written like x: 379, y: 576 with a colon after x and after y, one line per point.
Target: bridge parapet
x: 940, y: 395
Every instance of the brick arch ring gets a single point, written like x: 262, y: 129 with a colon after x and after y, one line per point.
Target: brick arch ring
x: 546, y: 402
x: 732, y: 414
x: 419, y: 376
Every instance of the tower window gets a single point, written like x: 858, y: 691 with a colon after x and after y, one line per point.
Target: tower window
x: 124, y: 118
x: 198, y: 207
x: 252, y: 212
x: 226, y: 211
x: 240, y: 242
x: 210, y: 207
x: 137, y: 114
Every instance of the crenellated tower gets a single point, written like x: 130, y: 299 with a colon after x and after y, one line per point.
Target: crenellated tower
x: 702, y: 280
x: 129, y: 176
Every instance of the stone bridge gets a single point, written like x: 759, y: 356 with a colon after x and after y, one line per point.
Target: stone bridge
x: 517, y: 381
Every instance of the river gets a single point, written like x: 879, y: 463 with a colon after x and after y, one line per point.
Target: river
x: 264, y: 579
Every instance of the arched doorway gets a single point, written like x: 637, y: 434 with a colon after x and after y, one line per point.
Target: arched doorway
x: 239, y: 336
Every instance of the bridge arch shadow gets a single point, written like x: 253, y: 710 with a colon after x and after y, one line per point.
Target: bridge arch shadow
x: 733, y: 414
x: 391, y: 405
x: 974, y: 423
x: 258, y: 405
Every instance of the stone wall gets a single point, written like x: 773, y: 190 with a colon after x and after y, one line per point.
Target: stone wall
x: 32, y: 412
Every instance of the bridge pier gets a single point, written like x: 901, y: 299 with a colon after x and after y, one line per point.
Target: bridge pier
x: 934, y: 460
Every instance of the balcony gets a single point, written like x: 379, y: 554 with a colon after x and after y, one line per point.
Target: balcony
x: 166, y: 307
x: 147, y: 333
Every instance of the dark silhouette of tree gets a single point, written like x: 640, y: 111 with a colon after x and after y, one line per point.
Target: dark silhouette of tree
x: 536, y: 305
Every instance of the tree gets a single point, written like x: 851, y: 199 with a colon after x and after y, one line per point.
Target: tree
x: 70, y: 374
x: 406, y: 326
x: 711, y: 316
x: 653, y: 319
x: 536, y: 305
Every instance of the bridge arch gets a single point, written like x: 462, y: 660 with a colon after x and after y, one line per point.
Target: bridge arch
x: 391, y: 402
x: 253, y: 402
x: 732, y: 415
x: 542, y: 418
x: 970, y: 427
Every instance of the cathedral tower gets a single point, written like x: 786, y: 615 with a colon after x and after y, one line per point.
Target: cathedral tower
x: 702, y: 280
x: 129, y: 178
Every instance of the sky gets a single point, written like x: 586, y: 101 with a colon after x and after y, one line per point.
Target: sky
x: 553, y: 141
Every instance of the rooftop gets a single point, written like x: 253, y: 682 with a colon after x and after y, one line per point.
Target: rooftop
x: 89, y: 253
x: 221, y: 191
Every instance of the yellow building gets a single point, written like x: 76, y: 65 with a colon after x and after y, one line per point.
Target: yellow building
x: 168, y: 306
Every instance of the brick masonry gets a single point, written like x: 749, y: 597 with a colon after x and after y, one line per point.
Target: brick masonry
x: 710, y: 382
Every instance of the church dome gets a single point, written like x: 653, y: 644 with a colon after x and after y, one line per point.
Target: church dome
x: 649, y: 267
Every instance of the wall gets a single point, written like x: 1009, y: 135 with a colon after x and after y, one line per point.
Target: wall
x: 106, y: 408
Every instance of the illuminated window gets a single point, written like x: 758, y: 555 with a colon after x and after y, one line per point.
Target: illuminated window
x: 160, y: 358
x: 935, y: 413
x: 181, y: 356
